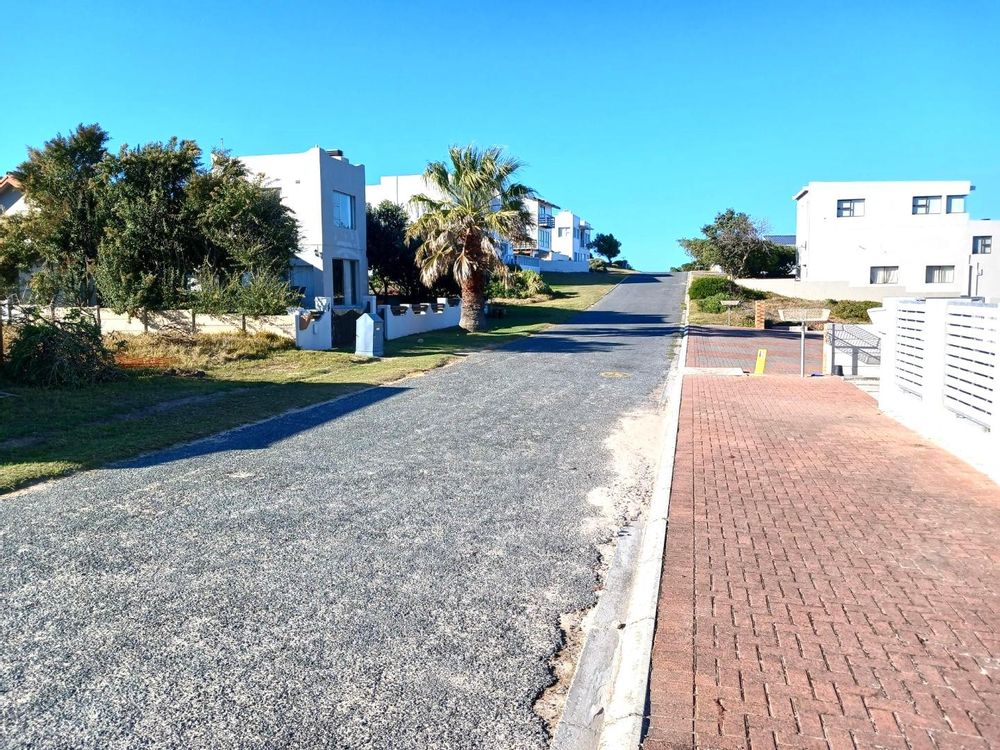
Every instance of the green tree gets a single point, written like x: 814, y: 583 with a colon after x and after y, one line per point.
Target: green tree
x: 58, y: 238
x: 149, y: 249
x: 243, y: 225
x: 736, y: 243
x: 606, y: 245
x: 460, y: 232
x: 392, y: 257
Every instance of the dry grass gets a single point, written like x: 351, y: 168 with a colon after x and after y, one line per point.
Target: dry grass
x: 201, y: 351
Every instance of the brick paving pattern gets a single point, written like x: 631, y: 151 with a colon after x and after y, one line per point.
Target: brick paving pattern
x: 830, y: 581
x: 737, y: 347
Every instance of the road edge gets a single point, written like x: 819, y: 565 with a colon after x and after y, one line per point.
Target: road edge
x: 626, y: 708
x: 624, y: 695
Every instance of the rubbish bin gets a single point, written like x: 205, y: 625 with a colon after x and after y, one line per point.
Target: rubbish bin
x: 369, y: 336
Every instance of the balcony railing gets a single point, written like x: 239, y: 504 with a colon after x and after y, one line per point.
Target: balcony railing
x: 546, y: 221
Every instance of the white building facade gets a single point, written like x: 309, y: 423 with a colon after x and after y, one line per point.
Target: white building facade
x: 558, y: 241
x: 327, y: 195
x: 883, y: 239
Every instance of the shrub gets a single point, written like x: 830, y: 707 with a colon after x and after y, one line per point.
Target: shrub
x: 597, y: 264
x: 708, y: 286
x: 712, y: 304
x: 852, y: 310
x: 67, y: 352
x: 520, y: 285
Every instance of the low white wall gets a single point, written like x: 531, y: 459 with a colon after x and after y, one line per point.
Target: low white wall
x: 822, y: 289
x: 313, y: 329
x: 167, y: 321
x: 939, y: 365
x: 407, y: 320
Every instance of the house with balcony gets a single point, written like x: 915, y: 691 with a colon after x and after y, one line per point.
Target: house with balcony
x: 871, y: 240
x: 327, y: 195
x: 547, y: 248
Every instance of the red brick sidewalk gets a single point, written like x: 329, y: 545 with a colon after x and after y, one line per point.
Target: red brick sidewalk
x: 737, y: 347
x: 830, y: 579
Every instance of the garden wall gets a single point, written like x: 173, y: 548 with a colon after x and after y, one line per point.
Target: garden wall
x: 187, y: 321
x: 406, y: 320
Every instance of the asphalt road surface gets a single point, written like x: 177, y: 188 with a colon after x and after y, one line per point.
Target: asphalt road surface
x: 384, y: 571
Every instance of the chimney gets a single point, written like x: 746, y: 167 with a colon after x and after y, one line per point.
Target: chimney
x: 337, y: 153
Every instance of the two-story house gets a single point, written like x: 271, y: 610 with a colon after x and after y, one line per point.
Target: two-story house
x: 548, y: 247
x: 895, y: 238
x: 327, y: 194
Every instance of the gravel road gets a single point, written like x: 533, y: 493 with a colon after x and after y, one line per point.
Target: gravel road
x: 385, y: 571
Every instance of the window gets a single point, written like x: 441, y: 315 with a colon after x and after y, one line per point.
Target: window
x: 343, y: 210
x: 982, y: 245
x: 338, y: 283
x: 884, y: 275
x: 956, y: 204
x: 545, y: 238
x: 850, y: 207
x: 940, y: 274
x: 927, y: 204
x: 565, y: 231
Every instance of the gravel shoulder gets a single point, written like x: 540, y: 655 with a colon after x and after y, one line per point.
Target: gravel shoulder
x: 387, y: 570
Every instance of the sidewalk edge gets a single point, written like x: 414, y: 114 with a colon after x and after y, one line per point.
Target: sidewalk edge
x: 626, y: 705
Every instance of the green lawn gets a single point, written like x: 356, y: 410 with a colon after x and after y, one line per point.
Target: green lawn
x: 46, y: 433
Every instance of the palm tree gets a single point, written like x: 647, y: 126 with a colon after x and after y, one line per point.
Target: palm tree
x: 460, y: 232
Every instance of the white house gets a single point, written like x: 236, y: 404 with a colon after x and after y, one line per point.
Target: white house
x: 547, y: 249
x: 11, y: 196
x: 883, y: 239
x: 327, y: 194
x: 572, y: 236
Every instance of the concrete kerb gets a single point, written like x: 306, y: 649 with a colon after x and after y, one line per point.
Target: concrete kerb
x: 608, y: 714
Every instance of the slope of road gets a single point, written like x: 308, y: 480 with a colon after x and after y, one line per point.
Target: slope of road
x: 387, y: 570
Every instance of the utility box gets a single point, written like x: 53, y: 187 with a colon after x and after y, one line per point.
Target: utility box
x: 369, y: 337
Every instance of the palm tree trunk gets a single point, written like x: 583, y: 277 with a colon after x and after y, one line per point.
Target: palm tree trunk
x: 473, y: 303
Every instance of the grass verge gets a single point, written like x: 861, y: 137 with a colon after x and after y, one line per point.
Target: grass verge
x: 48, y: 433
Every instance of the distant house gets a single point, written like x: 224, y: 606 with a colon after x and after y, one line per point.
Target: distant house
x: 11, y: 196
x: 557, y: 241
x: 327, y: 195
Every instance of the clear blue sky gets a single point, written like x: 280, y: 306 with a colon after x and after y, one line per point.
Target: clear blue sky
x: 645, y: 118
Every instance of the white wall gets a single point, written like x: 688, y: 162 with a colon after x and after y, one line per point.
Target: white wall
x: 307, y: 182
x: 411, y: 319
x: 844, y: 249
x: 400, y: 189
x: 572, y: 245
x: 939, y: 359
x: 822, y: 290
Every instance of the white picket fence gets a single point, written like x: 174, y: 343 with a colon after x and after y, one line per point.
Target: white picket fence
x: 941, y: 375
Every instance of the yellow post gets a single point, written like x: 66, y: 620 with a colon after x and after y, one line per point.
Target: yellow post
x: 761, y: 362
